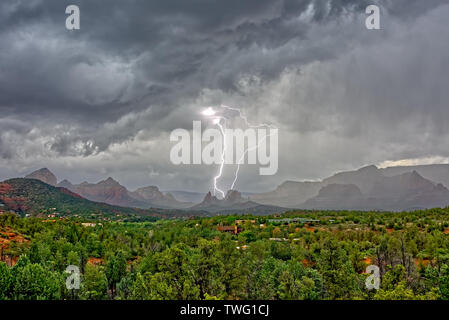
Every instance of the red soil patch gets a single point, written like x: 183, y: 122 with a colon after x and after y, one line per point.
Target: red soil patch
x: 446, y: 231
x: 5, y: 188
x: 390, y: 230
x: 8, y: 236
x: 15, y: 204
x: 306, y: 263
x: 310, y: 229
x: 367, y: 261
x: 425, y: 262
x: 95, y: 261
x: 4, y: 243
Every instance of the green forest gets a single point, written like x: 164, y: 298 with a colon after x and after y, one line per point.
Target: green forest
x: 299, y: 255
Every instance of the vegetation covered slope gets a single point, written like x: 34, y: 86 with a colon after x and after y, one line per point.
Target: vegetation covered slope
x: 34, y: 197
x: 301, y: 255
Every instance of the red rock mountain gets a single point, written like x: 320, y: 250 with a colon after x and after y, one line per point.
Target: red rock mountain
x: 111, y: 192
x: 149, y: 193
x: 153, y: 196
x: 43, y: 175
x: 232, y: 200
x: 107, y: 191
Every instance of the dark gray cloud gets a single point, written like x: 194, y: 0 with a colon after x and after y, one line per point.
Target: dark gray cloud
x: 103, y: 99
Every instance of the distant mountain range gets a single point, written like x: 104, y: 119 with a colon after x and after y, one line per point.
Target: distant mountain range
x: 234, y: 202
x: 111, y: 192
x: 368, y: 188
x: 34, y: 197
x: 196, y: 197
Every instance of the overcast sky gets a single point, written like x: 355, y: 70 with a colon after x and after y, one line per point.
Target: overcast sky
x: 101, y: 101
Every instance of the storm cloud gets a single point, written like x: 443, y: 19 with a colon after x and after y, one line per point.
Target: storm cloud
x: 102, y: 101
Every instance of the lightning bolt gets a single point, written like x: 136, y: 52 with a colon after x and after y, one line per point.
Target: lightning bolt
x: 217, y: 121
x: 220, y: 171
x: 262, y: 125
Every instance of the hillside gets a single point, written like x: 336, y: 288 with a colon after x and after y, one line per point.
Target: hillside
x: 112, y: 192
x: 32, y: 196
